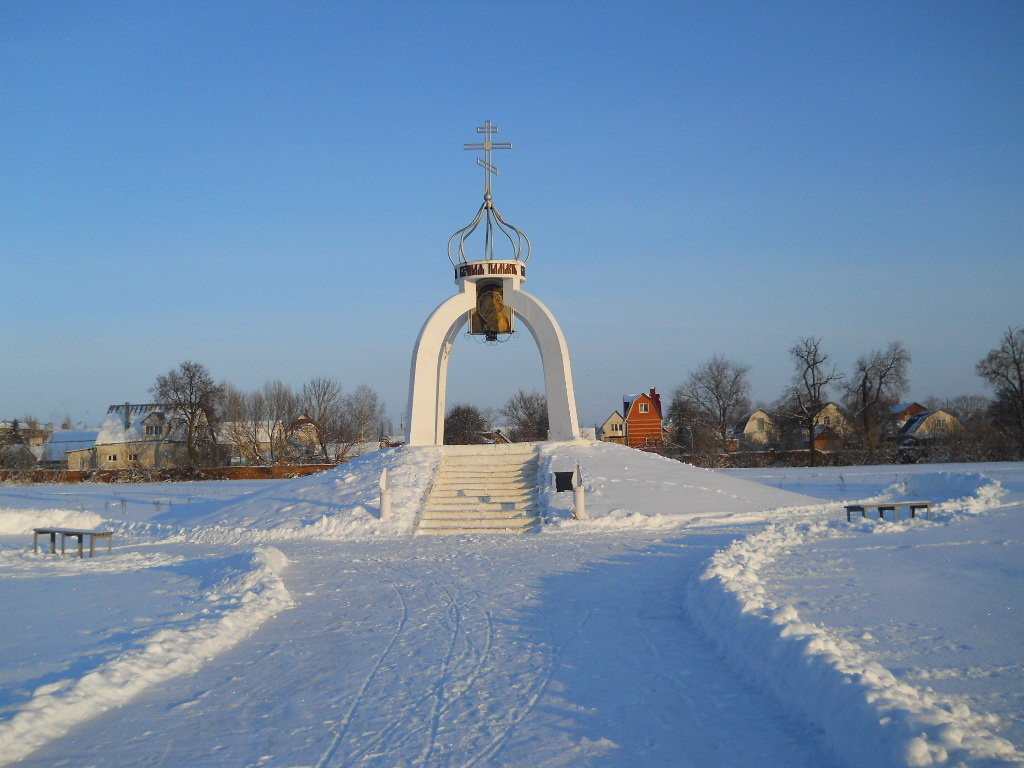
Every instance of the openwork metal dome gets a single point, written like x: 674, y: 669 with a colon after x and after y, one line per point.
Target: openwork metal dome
x: 488, y: 214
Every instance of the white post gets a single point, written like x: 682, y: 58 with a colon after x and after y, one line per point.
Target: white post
x: 579, y: 510
x: 385, y: 496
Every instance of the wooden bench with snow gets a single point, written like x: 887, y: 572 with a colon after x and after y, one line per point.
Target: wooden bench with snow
x: 891, y: 506
x: 76, y: 533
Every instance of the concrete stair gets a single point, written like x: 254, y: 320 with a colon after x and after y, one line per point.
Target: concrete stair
x: 483, y: 489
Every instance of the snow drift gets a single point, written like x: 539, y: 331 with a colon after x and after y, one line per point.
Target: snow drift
x: 240, y: 604
x: 867, y: 715
x: 14, y: 522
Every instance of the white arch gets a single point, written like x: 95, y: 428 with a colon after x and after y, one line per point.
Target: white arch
x: 428, y: 379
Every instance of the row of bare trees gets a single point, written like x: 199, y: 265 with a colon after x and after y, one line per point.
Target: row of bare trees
x: 705, y: 409
x: 524, y: 416
x: 272, y: 424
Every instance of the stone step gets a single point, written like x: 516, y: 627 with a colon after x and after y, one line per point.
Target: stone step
x: 459, y: 475
x: 485, y: 492
x: 434, y: 513
x: 479, y: 493
x: 479, y: 526
x: 504, y: 469
x: 463, y: 531
x: 510, y: 507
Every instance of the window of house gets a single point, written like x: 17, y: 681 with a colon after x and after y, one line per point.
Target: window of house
x: 111, y: 457
x: 154, y: 430
x: 133, y: 457
x: 645, y: 407
x: 760, y: 425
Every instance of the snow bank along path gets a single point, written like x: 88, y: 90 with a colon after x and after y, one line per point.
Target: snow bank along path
x: 243, y: 603
x: 868, y: 717
x: 871, y: 718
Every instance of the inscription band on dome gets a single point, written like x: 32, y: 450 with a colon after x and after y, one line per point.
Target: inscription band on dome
x: 488, y: 268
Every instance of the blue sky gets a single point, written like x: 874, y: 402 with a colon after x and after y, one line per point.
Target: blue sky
x: 269, y: 189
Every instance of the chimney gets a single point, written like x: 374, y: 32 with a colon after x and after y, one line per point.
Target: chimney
x: 127, y: 416
x: 657, y: 400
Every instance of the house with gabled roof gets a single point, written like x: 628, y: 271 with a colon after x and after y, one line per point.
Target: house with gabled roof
x: 903, y: 412
x: 645, y: 427
x: 831, y: 431
x: 755, y: 427
x: 145, y: 436
x: 64, y: 441
x: 929, y: 425
x: 613, y: 430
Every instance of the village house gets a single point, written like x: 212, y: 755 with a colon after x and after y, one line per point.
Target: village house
x: 929, y: 425
x: 643, y: 424
x: 613, y: 430
x: 831, y: 431
x: 62, y: 442
x: 903, y: 412
x: 136, y: 437
x: 754, y: 430
x: 28, y: 432
x: 248, y: 443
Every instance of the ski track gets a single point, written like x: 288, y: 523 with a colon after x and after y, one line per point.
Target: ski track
x: 361, y: 695
x: 462, y: 655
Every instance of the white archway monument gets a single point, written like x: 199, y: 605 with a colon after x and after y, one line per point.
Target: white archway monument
x: 491, y: 299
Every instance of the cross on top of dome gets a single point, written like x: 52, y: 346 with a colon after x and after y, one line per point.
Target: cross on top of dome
x: 488, y: 210
x: 487, y: 146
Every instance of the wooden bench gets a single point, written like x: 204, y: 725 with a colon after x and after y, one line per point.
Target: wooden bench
x: 76, y: 533
x: 891, y: 506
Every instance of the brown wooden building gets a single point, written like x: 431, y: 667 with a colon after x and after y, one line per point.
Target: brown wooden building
x: 644, y: 424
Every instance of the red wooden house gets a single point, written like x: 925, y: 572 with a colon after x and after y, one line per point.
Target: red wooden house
x: 644, y: 427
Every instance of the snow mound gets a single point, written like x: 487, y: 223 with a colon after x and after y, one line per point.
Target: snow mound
x: 953, y: 492
x: 627, y: 488
x: 14, y: 522
x: 342, y: 503
x: 868, y: 716
x: 238, y: 605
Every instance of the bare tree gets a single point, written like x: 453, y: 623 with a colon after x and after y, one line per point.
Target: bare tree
x: 464, y: 425
x: 190, y: 390
x: 1003, y: 369
x: 526, y: 416
x: 323, y: 402
x: 685, y: 427
x: 280, y: 408
x: 715, y: 395
x: 363, y: 415
x: 245, y: 423
x: 807, y: 395
x: 878, y: 381
x: 969, y: 408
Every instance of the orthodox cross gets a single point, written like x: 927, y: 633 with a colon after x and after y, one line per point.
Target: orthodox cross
x: 487, y: 145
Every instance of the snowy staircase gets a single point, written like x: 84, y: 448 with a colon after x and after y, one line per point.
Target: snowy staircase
x: 483, y: 489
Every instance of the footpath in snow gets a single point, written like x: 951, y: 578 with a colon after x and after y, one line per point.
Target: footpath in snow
x: 283, y: 623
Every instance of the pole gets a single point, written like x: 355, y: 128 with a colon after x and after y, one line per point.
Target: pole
x: 385, y: 495
x: 579, y: 507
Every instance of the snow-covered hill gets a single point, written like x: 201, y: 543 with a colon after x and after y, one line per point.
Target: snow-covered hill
x: 696, y: 618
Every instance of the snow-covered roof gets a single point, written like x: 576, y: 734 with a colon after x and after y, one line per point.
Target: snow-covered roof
x: 124, y: 423
x: 65, y: 440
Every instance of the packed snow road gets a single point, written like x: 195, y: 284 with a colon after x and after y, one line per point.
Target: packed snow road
x: 565, y: 650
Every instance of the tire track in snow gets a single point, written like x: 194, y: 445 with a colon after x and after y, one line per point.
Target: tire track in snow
x: 368, y: 680
x: 535, y: 695
x: 459, y: 615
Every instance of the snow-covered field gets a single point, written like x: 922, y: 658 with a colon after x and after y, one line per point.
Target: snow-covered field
x: 698, y: 618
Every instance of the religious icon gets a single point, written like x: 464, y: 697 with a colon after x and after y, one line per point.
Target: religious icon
x: 491, y: 316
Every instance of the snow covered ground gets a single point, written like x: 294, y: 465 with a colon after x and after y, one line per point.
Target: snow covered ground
x: 698, y: 618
